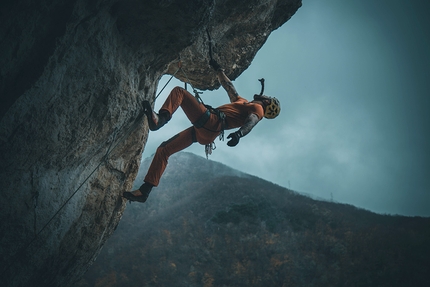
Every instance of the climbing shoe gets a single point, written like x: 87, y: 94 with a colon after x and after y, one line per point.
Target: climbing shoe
x: 155, y: 121
x: 145, y: 189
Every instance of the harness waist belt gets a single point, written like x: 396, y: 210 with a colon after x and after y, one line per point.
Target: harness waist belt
x: 203, y: 119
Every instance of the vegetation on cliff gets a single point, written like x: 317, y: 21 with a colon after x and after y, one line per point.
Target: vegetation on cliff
x: 203, y: 227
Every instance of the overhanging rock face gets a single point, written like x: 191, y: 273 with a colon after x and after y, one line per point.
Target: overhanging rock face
x: 73, y: 77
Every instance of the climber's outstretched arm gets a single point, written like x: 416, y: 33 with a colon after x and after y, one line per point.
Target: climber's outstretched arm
x: 224, y: 81
x: 250, y: 122
x: 227, y: 85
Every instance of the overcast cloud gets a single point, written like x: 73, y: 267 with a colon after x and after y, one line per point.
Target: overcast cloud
x: 353, y: 80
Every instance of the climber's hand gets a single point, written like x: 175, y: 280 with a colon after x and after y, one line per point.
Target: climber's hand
x: 214, y: 64
x: 234, y: 138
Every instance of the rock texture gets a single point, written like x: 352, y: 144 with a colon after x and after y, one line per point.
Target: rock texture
x: 73, y: 76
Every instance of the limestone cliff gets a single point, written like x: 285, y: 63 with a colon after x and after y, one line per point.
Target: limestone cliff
x: 73, y: 75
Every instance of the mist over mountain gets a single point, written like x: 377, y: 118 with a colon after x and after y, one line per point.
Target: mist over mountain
x: 210, y: 225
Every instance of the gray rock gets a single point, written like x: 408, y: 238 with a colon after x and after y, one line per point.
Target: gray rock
x: 73, y: 77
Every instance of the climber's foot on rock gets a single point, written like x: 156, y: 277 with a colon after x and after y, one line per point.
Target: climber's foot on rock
x: 135, y: 195
x: 155, y: 121
x: 139, y: 195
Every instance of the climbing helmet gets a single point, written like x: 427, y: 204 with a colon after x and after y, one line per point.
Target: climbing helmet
x: 273, y: 109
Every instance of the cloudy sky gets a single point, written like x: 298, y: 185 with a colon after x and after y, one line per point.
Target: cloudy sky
x: 353, y: 80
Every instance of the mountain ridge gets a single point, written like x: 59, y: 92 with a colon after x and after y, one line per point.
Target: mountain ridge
x: 229, y: 230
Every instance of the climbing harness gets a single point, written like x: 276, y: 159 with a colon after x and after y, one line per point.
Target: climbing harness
x: 200, y: 123
x: 202, y: 120
x: 205, y: 117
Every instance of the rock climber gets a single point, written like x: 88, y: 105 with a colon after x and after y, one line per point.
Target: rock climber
x: 207, y: 122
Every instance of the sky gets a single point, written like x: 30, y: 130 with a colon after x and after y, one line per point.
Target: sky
x: 353, y: 81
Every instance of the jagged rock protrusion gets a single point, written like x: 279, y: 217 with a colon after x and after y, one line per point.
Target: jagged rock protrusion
x: 73, y: 76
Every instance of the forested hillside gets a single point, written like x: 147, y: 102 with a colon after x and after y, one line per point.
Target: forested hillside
x: 208, y: 225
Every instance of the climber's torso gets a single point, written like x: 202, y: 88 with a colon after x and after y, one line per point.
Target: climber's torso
x: 237, y: 112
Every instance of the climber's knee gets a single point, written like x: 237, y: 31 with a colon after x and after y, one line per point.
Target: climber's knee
x: 177, y: 89
x: 165, y: 143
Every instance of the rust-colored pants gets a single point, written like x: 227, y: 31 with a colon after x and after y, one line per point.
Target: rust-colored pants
x: 180, y: 97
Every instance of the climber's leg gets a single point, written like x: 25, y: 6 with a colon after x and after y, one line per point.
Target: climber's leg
x: 180, y: 97
x: 177, y: 143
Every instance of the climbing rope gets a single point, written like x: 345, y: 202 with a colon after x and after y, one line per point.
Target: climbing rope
x: 196, y: 93
x: 208, y: 148
x: 179, y: 67
x: 35, y: 197
x: 104, y: 159
x: 210, y: 44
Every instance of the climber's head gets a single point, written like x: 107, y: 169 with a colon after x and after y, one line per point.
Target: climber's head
x: 271, y: 105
